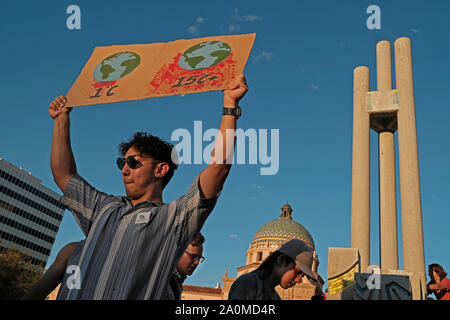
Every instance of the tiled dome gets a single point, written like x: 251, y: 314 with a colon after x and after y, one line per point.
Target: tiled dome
x: 283, y: 228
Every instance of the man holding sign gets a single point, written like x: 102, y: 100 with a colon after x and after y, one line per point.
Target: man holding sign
x: 133, y: 243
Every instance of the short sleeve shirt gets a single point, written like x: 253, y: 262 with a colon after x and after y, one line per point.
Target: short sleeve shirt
x: 444, y: 294
x: 251, y: 286
x: 130, y: 251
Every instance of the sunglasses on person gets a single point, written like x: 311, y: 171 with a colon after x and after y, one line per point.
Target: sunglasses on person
x: 130, y: 161
x: 196, y: 257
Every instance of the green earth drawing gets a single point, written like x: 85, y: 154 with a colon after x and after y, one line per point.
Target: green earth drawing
x: 116, y: 66
x: 204, y: 55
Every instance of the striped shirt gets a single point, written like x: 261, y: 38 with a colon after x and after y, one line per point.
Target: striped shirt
x: 130, y: 251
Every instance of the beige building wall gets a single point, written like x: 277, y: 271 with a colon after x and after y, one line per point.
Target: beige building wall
x: 201, y: 293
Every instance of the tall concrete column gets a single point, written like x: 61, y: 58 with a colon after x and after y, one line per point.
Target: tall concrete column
x: 386, y: 143
x: 388, y: 208
x: 413, y: 250
x: 360, y: 223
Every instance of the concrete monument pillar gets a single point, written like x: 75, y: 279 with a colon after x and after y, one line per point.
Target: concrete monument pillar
x: 360, y: 216
x: 386, y: 143
x: 412, y: 230
x: 386, y: 111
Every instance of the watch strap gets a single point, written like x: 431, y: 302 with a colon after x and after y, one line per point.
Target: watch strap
x: 236, y: 111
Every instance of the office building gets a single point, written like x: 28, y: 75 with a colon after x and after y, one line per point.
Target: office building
x: 30, y: 213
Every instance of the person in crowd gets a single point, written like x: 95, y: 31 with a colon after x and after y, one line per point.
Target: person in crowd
x: 439, y: 283
x: 133, y: 243
x: 54, y: 275
x: 284, y: 267
x: 189, y: 261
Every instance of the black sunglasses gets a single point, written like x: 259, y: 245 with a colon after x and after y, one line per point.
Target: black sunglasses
x: 196, y: 257
x: 131, y: 161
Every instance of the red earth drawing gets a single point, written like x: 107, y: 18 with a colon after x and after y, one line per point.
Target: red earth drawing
x: 172, y: 79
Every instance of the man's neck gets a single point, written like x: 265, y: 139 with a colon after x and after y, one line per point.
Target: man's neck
x: 153, y: 195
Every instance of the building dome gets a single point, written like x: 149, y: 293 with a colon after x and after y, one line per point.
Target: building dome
x: 271, y: 236
x: 282, y: 229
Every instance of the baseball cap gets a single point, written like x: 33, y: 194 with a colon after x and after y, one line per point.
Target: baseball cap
x: 302, y: 254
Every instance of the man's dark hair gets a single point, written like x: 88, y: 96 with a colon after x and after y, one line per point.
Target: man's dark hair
x: 198, y: 240
x: 153, y: 147
x: 438, y: 269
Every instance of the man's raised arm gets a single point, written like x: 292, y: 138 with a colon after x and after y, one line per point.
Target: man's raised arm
x: 214, y: 176
x: 62, y: 161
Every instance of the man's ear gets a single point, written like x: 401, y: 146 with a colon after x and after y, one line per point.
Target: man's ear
x: 161, y: 170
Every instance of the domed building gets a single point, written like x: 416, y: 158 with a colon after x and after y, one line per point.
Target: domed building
x: 266, y: 240
x: 271, y: 235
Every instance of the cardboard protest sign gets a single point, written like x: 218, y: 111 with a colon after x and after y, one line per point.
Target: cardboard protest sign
x: 132, y: 72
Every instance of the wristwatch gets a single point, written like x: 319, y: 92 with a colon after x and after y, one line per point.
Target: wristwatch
x: 236, y: 111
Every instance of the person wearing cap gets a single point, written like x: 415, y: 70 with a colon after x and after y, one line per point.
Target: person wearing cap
x: 284, y: 267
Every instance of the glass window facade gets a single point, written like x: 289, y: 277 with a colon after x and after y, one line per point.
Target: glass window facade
x: 30, y: 214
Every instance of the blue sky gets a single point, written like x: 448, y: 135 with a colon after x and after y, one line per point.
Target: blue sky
x: 300, y: 74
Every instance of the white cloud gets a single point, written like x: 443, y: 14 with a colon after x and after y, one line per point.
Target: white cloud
x: 247, y: 18
x: 234, y: 27
x: 251, y: 18
x: 200, y: 20
x: 265, y: 55
x: 193, y: 29
x: 257, y: 192
x: 234, y: 236
x: 414, y: 30
x: 237, y: 18
x: 315, y: 87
